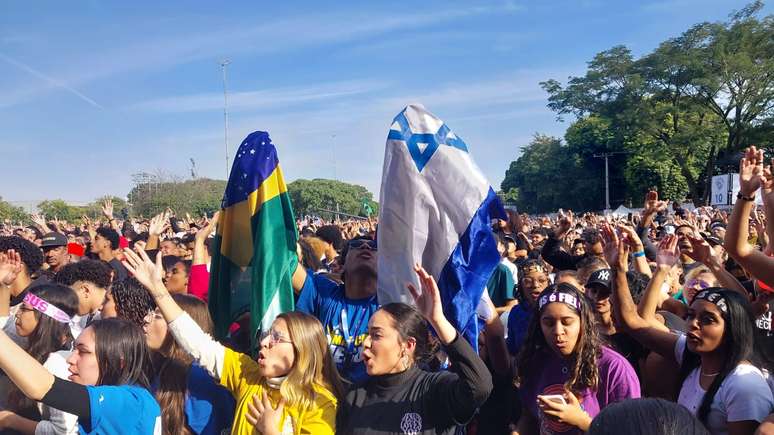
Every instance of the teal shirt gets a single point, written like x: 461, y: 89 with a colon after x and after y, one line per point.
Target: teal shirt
x: 501, y: 285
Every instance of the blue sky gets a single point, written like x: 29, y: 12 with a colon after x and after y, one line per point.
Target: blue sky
x: 92, y: 92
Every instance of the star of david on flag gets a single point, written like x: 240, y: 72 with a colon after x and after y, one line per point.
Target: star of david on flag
x: 435, y: 210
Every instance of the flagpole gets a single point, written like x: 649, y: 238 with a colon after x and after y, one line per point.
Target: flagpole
x: 223, y: 64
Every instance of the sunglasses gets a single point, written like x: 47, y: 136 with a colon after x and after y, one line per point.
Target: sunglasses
x: 363, y: 244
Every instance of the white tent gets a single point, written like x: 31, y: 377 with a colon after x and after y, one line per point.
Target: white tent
x: 621, y: 211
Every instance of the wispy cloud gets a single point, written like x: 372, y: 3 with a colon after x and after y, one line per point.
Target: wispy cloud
x: 267, y: 99
x: 50, y: 81
x: 162, y: 52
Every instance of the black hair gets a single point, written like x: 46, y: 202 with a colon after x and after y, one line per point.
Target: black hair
x: 30, y: 253
x: 332, y: 235
x: 96, y: 272
x: 539, y: 230
x: 49, y: 335
x: 188, y: 238
x: 646, y: 417
x: 169, y: 261
x: 411, y: 324
x: 591, y: 236
x: 122, y: 354
x: 111, y: 235
x: 738, y: 342
x: 584, y: 372
x: 132, y: 300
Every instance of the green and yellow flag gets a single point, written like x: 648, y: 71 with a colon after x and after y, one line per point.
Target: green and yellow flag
x: 255, y: 245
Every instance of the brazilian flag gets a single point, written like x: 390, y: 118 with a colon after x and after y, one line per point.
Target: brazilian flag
x: 254, y: 252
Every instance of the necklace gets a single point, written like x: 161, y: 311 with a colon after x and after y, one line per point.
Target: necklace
x: 709, y: 375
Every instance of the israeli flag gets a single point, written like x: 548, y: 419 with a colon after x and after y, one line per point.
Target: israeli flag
x: 435, y: 210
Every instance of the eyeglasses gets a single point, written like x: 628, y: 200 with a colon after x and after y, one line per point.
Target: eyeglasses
x: 151, y: 316
x: 274, y: 337
x: 363, y: 244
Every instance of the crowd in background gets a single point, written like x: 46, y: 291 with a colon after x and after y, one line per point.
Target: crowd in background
x: 653, y: 323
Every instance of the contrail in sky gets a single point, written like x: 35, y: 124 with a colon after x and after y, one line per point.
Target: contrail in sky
x: 49, y: 80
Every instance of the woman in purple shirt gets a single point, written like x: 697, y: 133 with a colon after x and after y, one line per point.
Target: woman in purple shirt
x: 565, y: 374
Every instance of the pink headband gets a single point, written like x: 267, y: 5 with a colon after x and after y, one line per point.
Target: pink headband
x: 46, y: 308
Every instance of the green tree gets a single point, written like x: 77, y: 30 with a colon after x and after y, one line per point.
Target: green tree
x: 197, y: 197
x: 706, y: 93
x: 543, y: 176
x: 11, y: 212
x: 310, y: 196
x: 57, y: 208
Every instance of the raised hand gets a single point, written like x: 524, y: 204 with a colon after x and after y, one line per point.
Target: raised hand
x: 767, y: 184
x: 652, y: 204
x: 751, y: 174
x: 566, y: 221
x: 107, y: 208
x: 610, y: 244
x: 700, y: 251
x: 206, y: 231
x: 631, y: 238
x: 668, y: 252
x: 38, y: 219
x: 10, y: 266
x: 150, y: 274
x: 158, y: 223
x: 428, y: 301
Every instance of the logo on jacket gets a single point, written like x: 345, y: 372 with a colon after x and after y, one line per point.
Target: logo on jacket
x: 411, y: 423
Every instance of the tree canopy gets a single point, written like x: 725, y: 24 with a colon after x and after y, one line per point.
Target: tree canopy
x: 311, y: 196
x: 676, y: 115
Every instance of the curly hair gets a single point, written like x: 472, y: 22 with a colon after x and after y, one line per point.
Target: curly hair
x: 111, y: 235
x: 584, y: 372
x: 132, y: 300
x: 30, y: 253
x: 96, y: 272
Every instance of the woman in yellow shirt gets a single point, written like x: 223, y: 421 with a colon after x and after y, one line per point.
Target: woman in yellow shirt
x: 292, y: 387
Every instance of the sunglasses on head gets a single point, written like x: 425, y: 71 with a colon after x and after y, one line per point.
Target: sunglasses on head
x: 363, y: 244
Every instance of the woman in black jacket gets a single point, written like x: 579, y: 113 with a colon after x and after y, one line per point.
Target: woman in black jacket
x: 401, y: 397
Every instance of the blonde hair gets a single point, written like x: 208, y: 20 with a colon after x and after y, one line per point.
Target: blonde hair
x: 313, y: 362
x: 696, y: 271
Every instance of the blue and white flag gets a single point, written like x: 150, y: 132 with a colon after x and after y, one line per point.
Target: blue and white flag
x: 435, y: 210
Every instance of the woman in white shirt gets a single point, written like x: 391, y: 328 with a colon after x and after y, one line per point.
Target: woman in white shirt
x: 720, y: 384
x: 44, y: 319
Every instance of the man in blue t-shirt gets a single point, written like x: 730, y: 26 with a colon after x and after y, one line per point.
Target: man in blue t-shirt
x: 343, y: 309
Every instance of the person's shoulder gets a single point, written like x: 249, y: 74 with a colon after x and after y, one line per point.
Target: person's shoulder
x: 746, y: 376
x: 323, y: 285
x: 611, y: 359
x: 324, y: 397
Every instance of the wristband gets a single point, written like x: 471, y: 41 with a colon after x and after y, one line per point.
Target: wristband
x: 638, y: 254
x: 745, y: 198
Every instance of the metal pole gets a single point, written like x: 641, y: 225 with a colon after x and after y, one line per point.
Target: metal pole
x: 607, y: 174
x: 607, y: 183
x: 223, y: 64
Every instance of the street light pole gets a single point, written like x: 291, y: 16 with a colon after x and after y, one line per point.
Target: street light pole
x: 606, y: 156
x: 223, y: 64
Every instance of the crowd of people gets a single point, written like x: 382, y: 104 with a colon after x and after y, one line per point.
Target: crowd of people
x: 657, y: 323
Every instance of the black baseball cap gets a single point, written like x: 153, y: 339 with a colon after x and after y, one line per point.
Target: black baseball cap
x: 53, y: 240
x: 601, y: 277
